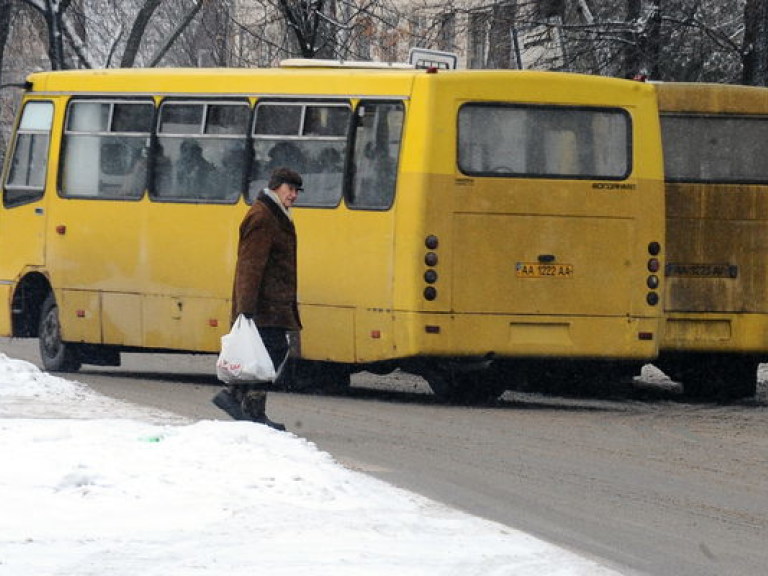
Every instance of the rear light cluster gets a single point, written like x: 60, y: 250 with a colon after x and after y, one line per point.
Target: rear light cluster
x: 654, y: 265
x: 430, y: 274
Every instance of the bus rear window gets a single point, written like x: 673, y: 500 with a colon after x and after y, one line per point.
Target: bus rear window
x: 715, y: 148
x: 544, y: 142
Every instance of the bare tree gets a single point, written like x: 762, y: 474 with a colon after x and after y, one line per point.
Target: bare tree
x: 53, y: 12
x: 643, y: 39
x: 175, y: 33
x: 755, y: 45
x: 691, y: 40
x: 137, y: 32
x: 5, y: 28
x: 339, y: 29
x: 308, y: 21
x: 89, y: 33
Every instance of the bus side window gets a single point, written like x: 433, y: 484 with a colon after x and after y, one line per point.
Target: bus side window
x: 377, y: 136
x: 105, y: 149
x: 29, y: 161
x: 310, y: 138
x: 201, y: 152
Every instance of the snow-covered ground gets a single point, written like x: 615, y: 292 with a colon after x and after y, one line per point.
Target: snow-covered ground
x: 92, y: 486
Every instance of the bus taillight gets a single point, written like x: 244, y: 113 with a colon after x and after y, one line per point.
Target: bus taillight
x: 654, y: 249
x: 430, y: 259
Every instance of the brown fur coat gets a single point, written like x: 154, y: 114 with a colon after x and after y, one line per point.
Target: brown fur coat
x: 265, y: 273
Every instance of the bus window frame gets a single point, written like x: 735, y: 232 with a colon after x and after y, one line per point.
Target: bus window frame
x: 65, y: 132
x: 716, y: 117
x: 35, y: 193
x: 349, y: 183
x: 629, y: 139
x: 305, y: 103
x: 201, y: 134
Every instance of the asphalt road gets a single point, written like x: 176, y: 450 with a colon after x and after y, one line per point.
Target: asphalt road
x: 637, y: 479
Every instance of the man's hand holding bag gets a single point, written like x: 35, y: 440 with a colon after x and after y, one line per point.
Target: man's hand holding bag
x: 244, y: 358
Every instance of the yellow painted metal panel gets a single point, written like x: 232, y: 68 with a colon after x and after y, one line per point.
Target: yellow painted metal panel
x: 122, y: 319
x: 489, y: 247
x: 526, y: 336
x: 716, y: 332
x: 328, y: 333
x: 692, y: 329
x: 80, y: 316
x: 184, y: 323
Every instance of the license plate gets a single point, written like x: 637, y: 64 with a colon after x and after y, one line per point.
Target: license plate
x: 538, y: 270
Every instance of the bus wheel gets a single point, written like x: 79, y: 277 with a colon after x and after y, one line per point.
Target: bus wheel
x: 723, y: 378
x: 469, y: 388
x: 720, y: 377
x: 56, y: 355
x: 315, y: 376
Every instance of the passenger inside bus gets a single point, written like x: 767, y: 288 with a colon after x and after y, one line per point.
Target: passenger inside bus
x: 231, y: 177
x: 193, y: 171
x: 285, y: 154
x: 136, y: 179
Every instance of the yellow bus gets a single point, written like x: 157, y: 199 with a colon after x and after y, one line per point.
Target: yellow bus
x: 715, y: 140
x: 462, y: 225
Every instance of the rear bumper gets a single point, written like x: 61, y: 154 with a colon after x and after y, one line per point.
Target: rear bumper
x: 721, y: 332
x: 529, y: 336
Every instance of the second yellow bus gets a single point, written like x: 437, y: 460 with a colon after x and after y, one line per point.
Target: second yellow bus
x: 715, y: 141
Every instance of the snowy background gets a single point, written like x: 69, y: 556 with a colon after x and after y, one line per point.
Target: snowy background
x: 92, y: 486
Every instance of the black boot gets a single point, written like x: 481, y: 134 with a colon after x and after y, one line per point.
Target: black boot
x: 254, y: 408
x: 229, y: 400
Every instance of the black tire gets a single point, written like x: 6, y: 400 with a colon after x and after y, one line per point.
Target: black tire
x: 316, y: 376
x: 56, y: 355
x: 464, y: 388
x: 721, y: 377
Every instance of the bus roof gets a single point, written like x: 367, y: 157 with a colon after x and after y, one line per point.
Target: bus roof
x: 503, y: 85
x: 695, y: 97
x: 319, y: 63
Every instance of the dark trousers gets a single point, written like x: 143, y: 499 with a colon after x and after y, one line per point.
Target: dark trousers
x: 254, y: 396
x: 276, y: 343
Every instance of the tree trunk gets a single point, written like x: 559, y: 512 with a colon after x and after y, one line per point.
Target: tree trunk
x: 52, y: 15
x: 755, y: 47
x: 5, y: 28
x: 643, y: 40
x: 652, y: 40
x: 177, y: 32
x: 137, y: 32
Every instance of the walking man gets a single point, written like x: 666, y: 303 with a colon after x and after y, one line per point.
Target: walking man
x: 265, y: 287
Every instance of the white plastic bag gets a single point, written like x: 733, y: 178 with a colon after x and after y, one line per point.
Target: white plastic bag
x: 243, y: 358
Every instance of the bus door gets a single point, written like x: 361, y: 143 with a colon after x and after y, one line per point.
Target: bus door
x: 23, y: 218
x: 96, y: 232
x: 345, y: 244
x: 371, y: 234
x: 545, y: 227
